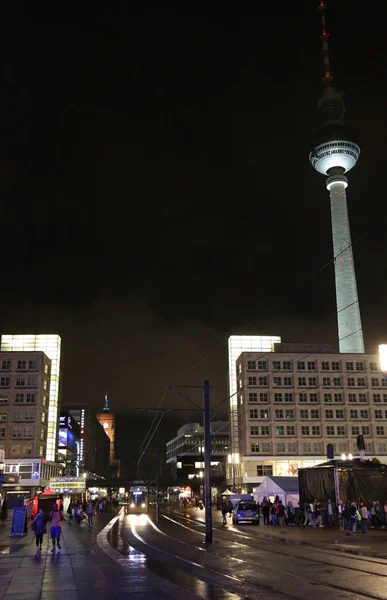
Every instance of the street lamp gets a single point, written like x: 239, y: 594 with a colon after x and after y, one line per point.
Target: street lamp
x: 233, y: 459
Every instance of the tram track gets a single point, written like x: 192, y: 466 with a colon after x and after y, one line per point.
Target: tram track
x: 249, y: 582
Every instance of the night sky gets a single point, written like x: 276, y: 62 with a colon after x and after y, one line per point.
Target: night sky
x: 155, y: 189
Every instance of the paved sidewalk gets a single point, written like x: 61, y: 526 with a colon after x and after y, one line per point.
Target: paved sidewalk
x: 374, y: 543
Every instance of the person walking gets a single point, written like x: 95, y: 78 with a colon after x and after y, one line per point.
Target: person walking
x: 340, y: 514
x: 352, y: 512
x: 364, y: 517
x: 318, y: 511
x: 56, y: 517
x: 38, y: 526
x: 329, y: 510
x: 281, y: 514
x: 224, y: 511
x: 90, y: 513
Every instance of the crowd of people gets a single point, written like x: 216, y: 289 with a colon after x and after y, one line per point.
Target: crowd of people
x: 347, y: 516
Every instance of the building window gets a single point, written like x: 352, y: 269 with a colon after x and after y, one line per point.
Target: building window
x: 316, y: 430
x: 33, y: 365
x: 380, y: 430
x: 304, y: 413
x: 280, y: 430
x: 239, y: 368
x: 5, y: 365
x: 16, y: 432
x: 364, y: 414
x: 264, y: 470
x: 327, y: 398
x: 343, y: 447
x: 18, y: 415
x: 307, y: 447
x: 266, y: 447
x: 374, y: 382
x: 302, y: 381
x: 330, y: 430
x: 352, y: 398
x: 265, y: 430
x: 27, y: 432
x: 281, y: 447
x: 253, y: 397
x: 253, y: 413
x: 33, y: 382
x: 317, y: 448
x: 384, y: 382
x: 382, y: 447
x: 292, y: 447
x: 262, y: 381
x: 340, y: 414
x: 21, y: 365
x: 20, y: 381
x: 254, y: 447
x: 290, y: 430
x: 359, y: 366
x: 314, y: 414
x: 251, y: 364
x: 2, y: 432
x: 289, y: 413
x: 329, y: 414
x: 361, y: 382
x: 288, y: 381
x: 377, y: 398
x: 365, y: 430
x: 254, y: 430
x: 277, y: 397
x: 3, y: 416
x: 287, y: 365
x: 279, y: 414
x: 4, y: 381
x: 373, y: 366
x: 277, y: 381
x: 349, y: 366
x: 313, y: 397
x: 303, y: 397
x: 19, y: 398
x: 355, y: 430
x: 30, y: 415
x: 313, y: 381
x: 301, y: 366
x: 263, y: 397
x: 252, y: 381
x: 325, y: 365
x: 264, y: 413
x: 276, y: 365
x: 340, y: 430
x: 335, y: 366
x: 305, y: 430
x: 46, y: 369
x: 31, y: 398
x: 262, y: 365
x: 43, y: 417
x: 353, y: 414
x: 3, y: 399
x: 337, y: 381
x: 289, y: 397
x: 350, y: 381
x: 311, y: 365
x: 338, y: 398
x: 326, y: 381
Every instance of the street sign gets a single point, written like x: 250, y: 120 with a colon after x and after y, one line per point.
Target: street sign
x: 19, y: 521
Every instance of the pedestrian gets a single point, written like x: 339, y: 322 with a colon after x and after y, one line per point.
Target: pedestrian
x: 290, y: 512
x: 56, y: 517
x: 70, y: 510
x: 340, y: 509
x: 329, y: 510
x: 318, y: 512
x: 281, y: 514
x: 224, y: 510
x: 90, y: 513
x: 347, y: 517
x: 352, y: 511
x: 266, y: 512
x: 38, y: 526
x: 3, y: 512
x: 364, y: 517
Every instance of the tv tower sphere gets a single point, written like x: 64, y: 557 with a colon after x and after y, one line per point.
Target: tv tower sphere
x: 333, y: 154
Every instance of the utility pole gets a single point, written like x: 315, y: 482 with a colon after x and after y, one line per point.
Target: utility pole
x: 207, y: 461
x: 158, y: 487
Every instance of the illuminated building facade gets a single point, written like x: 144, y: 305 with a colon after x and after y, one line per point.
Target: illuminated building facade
x: 51, y: 346
x: 295, y: 401
x: 236, y: 345
x: 94, y: 444
x: 108, y: 421
x: 24, y: 404
x: 69, y: 437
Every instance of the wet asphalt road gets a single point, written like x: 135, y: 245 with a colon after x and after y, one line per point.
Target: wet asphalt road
x: 241, y: 563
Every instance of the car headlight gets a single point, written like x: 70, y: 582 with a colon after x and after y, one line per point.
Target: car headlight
x: 132, y: 505
x: 143, y: 505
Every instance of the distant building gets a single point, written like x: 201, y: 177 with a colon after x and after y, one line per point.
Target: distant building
x: 94, y: 445
x: 185, y: 455
x: 69, y: 437
x: 24, y: 404
x: 108, y: 421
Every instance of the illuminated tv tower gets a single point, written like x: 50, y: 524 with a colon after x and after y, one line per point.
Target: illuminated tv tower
x: 333, y: 154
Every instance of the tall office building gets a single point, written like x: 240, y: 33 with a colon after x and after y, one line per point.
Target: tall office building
x: 108, y: 421
x: 51, y: 346
x: 333, y: 154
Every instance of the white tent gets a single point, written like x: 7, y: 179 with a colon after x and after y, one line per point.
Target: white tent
x: 286, y: 488
x: 227, y: 493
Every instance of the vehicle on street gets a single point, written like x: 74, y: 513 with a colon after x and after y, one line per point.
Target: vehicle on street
x: 245, y: 511
x: 138, y: 499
